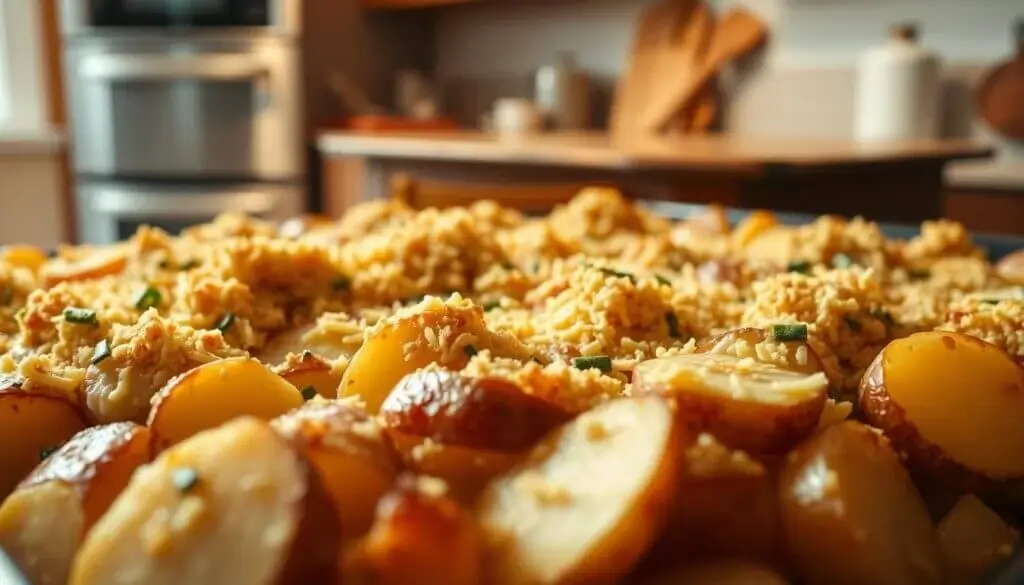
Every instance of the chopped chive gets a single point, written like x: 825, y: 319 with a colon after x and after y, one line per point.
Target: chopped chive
x: 884, y: 316
x: 536, y: 361
x: 802, y: 266
x: 601, y: 362
x: 662, y: 280
x: 20, y: 315
x: 842, y: 261
x: 787, y: 332
x: 306, y: 355
x: 918, y: 273
x: 148, y: 298
x: 80, y: 316
x: 990, y: 301
x: 852, y: 323
x: 618, y: 274
x: 508, y: 265
x: 225, y: 322
x: 101, y: 352
x: 535, y: 266
x: 469, y: 350
x: 45, y: 453
x: 188, y: 264
x: 308, y: 393
x: 673, y: 324
x: 185, y: 479
x: 341, y: 283
x: 6, y: 296
x: 491, y: 305
x: 164, y: 264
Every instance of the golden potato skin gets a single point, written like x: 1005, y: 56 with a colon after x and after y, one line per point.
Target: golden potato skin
x: 32, y: 423
x: 41, y: 527
x: 927, y: 461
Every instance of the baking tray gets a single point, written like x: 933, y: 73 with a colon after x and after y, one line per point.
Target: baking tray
x: 997, y: 246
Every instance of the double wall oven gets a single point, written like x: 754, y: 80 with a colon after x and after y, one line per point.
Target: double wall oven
x: 182, y: 109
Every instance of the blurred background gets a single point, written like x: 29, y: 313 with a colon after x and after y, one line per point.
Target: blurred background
x: 117, y: 113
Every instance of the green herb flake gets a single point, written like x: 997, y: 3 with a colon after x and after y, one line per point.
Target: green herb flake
x: 601, y: 362
x: 469, y: 350
x: 189, y: 264
x: 852, y: 323
x: 842, y: 261
x: 619, y: 274
x: 535, y: 266
x: 80, y: 316
x: 919, y: 273
x: 308, y: 393
x: 535, y: 360
x: 45, y: 453
x: 7, y: 296
x: 101, y: 352
x: 990, y: 301
x: 662, y: 280
x: 789, y: 332
x: 185, y: 479
x: 341, y: 284
x: 306, y: 355
x: 491, y: 305
x: 673, y: 324
x: 802, y: 267
x: 225, y: 322
x: 148, y: 298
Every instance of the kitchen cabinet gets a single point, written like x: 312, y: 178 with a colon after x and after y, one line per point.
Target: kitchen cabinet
x: 408, y: 4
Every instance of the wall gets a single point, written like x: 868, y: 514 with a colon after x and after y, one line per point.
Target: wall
x: 802, y: 86
x: 31, y: 196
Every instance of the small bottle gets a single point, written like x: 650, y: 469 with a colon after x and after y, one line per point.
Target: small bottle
x: 561, y: 93
x: 898, y: 87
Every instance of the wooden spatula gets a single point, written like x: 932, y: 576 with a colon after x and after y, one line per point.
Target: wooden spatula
x: 737, y: 33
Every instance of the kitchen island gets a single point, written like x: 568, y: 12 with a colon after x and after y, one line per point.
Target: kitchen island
x: 886, y: 181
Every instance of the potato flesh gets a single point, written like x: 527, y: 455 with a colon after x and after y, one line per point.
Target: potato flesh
x: 589, y: 500
x: 962, y: 395
x: 973, y: 538
x: 238, y: 524
x: 319, y: 377
x: 298, y: 340
x: 851, y: 514
x: 745, y: 403
x: 215, y: 393
x: 30, y: 423
x: 465, y: 469
x: 40, y: 528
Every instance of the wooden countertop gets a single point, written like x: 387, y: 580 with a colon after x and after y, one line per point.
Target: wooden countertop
x: 599, y: 150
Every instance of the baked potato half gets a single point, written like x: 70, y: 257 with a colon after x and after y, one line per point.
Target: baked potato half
x: 32, y: 425
x: 236, y: 504
x: 348, y: 450
x: 464, y: 430
x: 952, y: 405
x: 589, y: 500
x: 746, y: 404
x: 851, y: 514
x: 44, y: 520
x: 216, y: 392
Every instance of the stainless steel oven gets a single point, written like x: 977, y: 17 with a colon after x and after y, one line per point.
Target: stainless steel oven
x: 182, y: 109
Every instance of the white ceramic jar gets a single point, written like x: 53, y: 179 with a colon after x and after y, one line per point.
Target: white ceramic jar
x: 898, y: 87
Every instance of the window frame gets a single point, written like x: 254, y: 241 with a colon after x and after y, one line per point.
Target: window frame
x: 22, y: 69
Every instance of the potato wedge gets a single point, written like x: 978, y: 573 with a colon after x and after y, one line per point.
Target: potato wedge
x: 727, y: 507
x: 434, y: 331
x: 420, y: 537
x: 464, y: 430
x: 214, y: 393
x: 32, y: 424
x: 235, y: 504
x: 747, y: 404
x: 97, y: 264
x: 719, y: 572
x: 973, y: 538
x: 313, y: 372
x: 589, y: 500
x: 757, y: 343
x: 43, y: 521
x: 348, y: 450
x: 851, y: 514
x: 952, y: 405
x: 1011, y: 267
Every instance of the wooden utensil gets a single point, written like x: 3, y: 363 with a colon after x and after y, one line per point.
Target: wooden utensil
x: 654, y: 30
x: 738, y: 33
x: 682, y: 57
x: 1000, y: 97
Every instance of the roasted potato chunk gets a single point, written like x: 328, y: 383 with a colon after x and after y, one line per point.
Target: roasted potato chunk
x: 446, y: 333
x: 952, y: 405
x: 973, y: 538
x: 31, y: 426
x: 214, y: 393
x: 588, y: 501
x: 851, y: 514
x: 235, y: 504
x: 96, y: 264
x: 747, y: 404
x: 752, y: 226
x: 756, y: 343
x: 1011, y: 267
x: 43, y: 521
x: 420, y: 537
x: 464, y: 430
x: 347, y: 448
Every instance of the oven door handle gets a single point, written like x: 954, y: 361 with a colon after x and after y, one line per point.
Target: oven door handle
x: 139, y: 204
x: 123, y: 67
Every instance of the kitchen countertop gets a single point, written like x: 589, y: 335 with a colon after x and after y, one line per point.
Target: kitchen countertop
x: 600, y: 150
x: 21, y: 142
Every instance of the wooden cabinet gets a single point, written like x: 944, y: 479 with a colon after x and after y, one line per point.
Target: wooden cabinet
x: 407, y: 4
